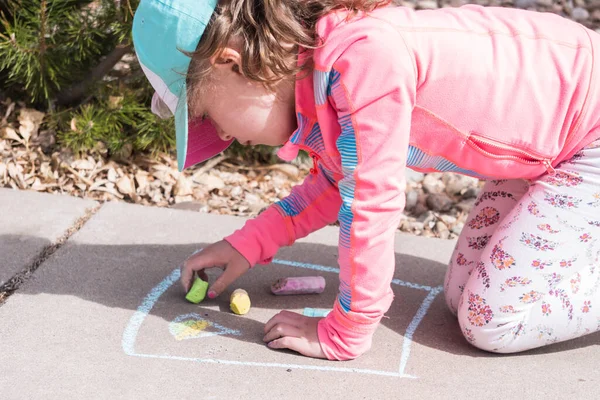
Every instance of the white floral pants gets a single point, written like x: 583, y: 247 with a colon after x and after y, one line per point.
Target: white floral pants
x: 526, y: 269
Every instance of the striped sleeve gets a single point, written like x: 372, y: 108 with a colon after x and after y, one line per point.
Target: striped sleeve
x: 372, y: 85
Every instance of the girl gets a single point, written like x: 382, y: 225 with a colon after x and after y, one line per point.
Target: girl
x: 368, y: 89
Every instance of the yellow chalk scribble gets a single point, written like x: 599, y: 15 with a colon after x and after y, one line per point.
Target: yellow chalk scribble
x: 190, y: 328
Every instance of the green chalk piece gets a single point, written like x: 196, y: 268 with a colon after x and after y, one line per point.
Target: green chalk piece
x: 316, y: 312
x: 198, y: 291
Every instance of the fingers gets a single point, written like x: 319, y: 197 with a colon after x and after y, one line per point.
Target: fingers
x: 285, y: 317
x: 282, y: 330
x: 202, y: 275
x: 229, y: 275
x: 186, y: 277
x: 195, y: 263
x: 297, y: 344
x: 301, y: 336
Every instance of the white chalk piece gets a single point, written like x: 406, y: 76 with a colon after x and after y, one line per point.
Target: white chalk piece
x: 315, y: 312
x: 299, y: 285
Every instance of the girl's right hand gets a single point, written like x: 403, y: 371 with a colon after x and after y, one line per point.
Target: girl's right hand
x: 218, y: 255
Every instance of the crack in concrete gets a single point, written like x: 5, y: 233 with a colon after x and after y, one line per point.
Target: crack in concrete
x: 13, y: 284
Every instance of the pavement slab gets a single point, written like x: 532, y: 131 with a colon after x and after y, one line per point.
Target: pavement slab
x: 30, y: 222
x: 105, y: 317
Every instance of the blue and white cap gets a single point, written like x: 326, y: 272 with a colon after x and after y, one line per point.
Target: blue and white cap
x: 162, y: 31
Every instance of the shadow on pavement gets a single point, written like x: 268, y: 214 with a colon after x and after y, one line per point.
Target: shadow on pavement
x: 122, y: 276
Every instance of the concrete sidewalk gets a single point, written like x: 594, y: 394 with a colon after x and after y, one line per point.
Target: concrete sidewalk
x: 104, y: 317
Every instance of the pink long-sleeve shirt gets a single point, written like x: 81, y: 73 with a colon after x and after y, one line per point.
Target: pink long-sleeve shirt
x: 488, y: 92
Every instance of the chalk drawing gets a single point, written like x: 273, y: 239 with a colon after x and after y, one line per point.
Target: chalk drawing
x: 315, y: 312
x: 137, y: 319
x: 193, y: 326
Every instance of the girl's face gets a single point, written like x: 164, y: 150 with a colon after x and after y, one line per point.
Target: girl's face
x: 245, y: 110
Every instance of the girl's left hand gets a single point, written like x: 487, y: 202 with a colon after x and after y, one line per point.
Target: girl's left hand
x: 289, y: 330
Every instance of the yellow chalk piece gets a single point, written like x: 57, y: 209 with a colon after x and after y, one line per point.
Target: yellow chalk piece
x: 239, y: 302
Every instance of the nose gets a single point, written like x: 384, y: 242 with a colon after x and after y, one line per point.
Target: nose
x: 223, y: 136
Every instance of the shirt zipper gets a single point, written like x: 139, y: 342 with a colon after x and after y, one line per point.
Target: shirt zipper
x: 531, y: 158
x: 314, y: 156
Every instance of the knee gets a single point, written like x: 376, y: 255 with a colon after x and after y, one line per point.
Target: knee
x: 452, y: 297
x: 503, y: 337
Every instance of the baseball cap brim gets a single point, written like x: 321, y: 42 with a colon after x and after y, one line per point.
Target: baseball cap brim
x: 162, y: 31
x: 197, y: 140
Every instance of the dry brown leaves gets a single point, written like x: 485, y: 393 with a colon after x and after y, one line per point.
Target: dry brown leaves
x: 220, y: 186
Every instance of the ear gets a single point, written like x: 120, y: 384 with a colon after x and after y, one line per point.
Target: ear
x: 228, y: 58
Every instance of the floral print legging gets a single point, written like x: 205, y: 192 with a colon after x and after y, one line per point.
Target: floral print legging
x: 526, y: 269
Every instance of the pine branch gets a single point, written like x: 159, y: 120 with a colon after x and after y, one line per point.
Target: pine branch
x: 77, y: 91
x: 42, y: 48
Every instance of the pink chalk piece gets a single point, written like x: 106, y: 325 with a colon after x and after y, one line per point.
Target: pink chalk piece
x: 299, y: 285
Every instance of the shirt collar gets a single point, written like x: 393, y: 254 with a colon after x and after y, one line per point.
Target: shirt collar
x: 305, y: 112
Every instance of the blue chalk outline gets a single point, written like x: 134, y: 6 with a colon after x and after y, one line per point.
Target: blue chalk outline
x: 137, y: 319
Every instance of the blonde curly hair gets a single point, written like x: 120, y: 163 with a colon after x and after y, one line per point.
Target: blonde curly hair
x: 270, y: 33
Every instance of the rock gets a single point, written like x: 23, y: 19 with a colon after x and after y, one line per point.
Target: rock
x: 11, y: 134
x: 433, y: 184
x: 438, y: 202
x: 416, y: 226
x: 183, y: 199
x: 83, y: 165
x: 449, y: 220
x: 167, y: 189
x: 216, y: 202
x: 141, y: 178
x: 593, y: 4
x: 289, y: 169
x: 183, y: 187
x: 427, y: 4
x: 29, y: 123
x: 457, y: 184
x: 457, y: 229
x: 580, y: 14
x: 414, y: 176
x: 46, y: 139
x: 188, y: 206
x: 442, y: 230
x: 112, y: 175
x: 412, y: 198
x: 236, y: 191
x: 3, y: 173
x: 125, y: 185
x: 124, y: 153
x: 466, y: 205
x: 419, y: 209
x: 211, y: 182
x: 426, y: 217
x: 471, y: 192
x: 525, y: 3
x: 279, y: 179
x: 254, y: 203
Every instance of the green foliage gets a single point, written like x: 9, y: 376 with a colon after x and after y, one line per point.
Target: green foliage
x: 47, y: 45
x: 58, y: 56
x: 117, y: 117
x: 50, y: 46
